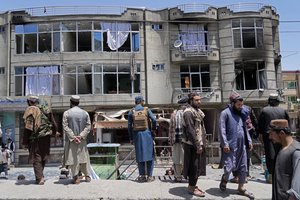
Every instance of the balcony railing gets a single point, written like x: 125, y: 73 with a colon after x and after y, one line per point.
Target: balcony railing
x: 195, y: 50
x: 243, y: 7
x: 193, y: 8
x: 74, y: 10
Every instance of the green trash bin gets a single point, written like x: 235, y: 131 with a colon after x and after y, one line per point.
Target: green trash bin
x: 104, y: 159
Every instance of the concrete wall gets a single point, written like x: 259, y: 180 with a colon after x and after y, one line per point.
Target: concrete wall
x: 157, y: 52
x: 3, y: 54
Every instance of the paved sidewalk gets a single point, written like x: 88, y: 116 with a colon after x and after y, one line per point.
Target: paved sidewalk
x: 163, y: 187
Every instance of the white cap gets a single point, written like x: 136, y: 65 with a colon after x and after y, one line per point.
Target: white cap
x: 75, y: 98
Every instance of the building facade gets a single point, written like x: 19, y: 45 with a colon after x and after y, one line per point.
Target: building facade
x: 109, y: 55
x: 291, y: 97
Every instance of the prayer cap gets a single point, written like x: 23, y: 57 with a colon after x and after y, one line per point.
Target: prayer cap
x: 139, y: 99
x: 274, y: 96
x: 33, y: 99
x: 75, y: 98
x: 279, y: 124
x: 235, y: 96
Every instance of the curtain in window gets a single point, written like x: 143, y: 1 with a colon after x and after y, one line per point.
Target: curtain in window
x: 117, y: 33
x: 262, y: 79
x: 40, y: 80
x: 192, y: 37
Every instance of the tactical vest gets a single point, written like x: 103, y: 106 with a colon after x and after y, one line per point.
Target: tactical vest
x: 140, y: 119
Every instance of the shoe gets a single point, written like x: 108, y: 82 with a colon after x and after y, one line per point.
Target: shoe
x: 150, y: 179
x: 246, y: 193
x: 88, y: 179
x: 178, y: 179
x: 76, y: 180
x: 142, y: 179
x: 223, y: 184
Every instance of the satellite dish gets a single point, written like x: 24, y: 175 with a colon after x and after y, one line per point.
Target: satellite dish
x: 177, y: 43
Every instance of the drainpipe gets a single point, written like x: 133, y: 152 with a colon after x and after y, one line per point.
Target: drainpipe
x: 8, y: 54
x: 145, y: 58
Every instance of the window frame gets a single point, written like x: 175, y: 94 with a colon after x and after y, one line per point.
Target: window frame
x: 239, y: 29
x: 187, y: 77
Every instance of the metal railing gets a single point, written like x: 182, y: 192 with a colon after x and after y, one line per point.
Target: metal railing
x: 192, y: 8
x: 195, y: 89
x: 243, y: 7
x: 195, y: 50
x: 74, y: 10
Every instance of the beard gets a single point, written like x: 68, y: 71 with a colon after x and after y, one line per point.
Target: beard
x: 236, y: 110
x: 196, y: 106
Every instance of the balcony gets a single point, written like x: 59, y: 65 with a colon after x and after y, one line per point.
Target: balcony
x: 195, y: 10
x: 248, y: 7
x: 208, y: 94
x: 194, y: 52
x: 73, y: 10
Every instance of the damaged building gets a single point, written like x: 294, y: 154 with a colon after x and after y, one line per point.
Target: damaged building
x: 109, y: 55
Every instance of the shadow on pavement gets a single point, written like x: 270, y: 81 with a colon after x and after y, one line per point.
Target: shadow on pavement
x: 64, y: 181
x: 218, y: 193
x: 26, y: 182
x: 180, y: 192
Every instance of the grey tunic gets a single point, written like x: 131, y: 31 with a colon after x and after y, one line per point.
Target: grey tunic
x: 286, y: 179
x: 76, y: 122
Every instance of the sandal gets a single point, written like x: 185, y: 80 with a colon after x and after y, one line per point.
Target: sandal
x: 223, y: 183
x: 197, y: 188
x: 141, y: 179
x: 246, y: 193
x: 197, y: 192
x: 150, y: 179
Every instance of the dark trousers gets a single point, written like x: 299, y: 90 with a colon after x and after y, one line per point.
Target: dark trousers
x: 39, y: 151
x: 191, y: 163
x: 38, y: 167
x: 271, y: 150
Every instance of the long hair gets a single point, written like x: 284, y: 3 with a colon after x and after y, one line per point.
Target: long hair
x: 191, y: 96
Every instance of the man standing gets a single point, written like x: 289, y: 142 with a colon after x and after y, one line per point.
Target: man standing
x: 141, y: 137
x: 268, y: 113
x: 175, y: 138
x: 194, y: 144
x: 11, y: 148
x: 39, y: 125
x: 77, y: 126
x: 232, y: 129
x: 286, y: 182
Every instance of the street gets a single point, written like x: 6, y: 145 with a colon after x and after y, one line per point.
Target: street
x: 163, y: 187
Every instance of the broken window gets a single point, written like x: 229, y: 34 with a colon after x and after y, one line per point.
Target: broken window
x: 77, y: 79
x: 247, y: 33
x: 250, y: 75
x: 72, y: 36
x: 195, y: 77
x: 98, y: 41
x: 37, y: 80
x: 120, y: 36
x: 2, y: 70
x: 115, y: 79
x: 84, y: 36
